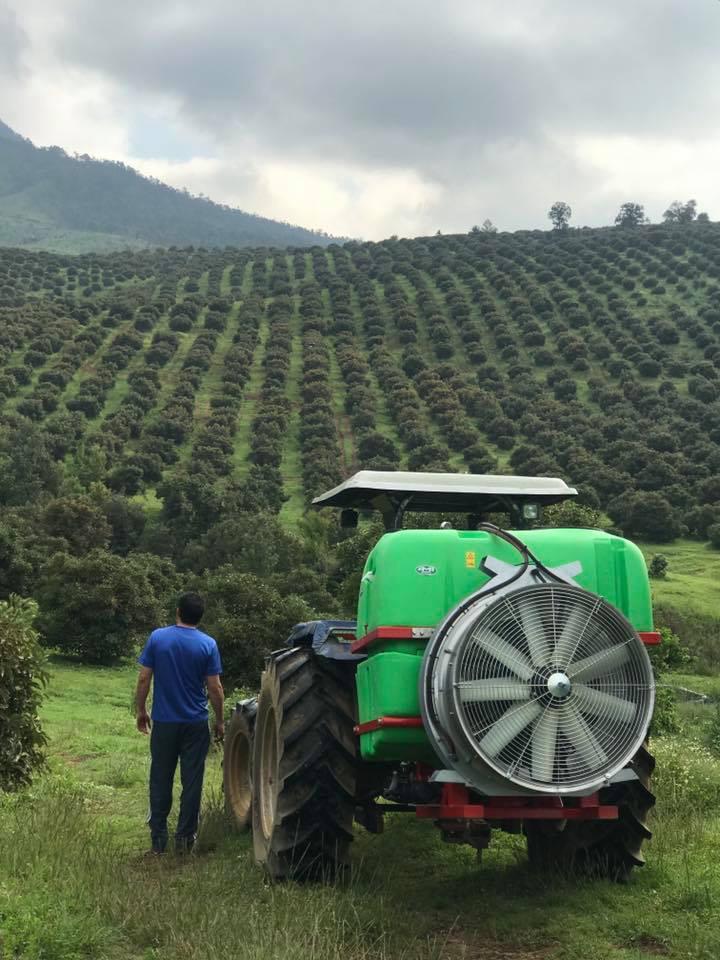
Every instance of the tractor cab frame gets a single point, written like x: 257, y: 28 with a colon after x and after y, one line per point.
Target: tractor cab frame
x: 395, y: 493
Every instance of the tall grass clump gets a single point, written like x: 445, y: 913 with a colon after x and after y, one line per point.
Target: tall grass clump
x: 699, y: 634
x: 70, y: 890
x: 687, y: 777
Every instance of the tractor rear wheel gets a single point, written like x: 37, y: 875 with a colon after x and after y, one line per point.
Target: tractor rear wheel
x: 304, y: 767
x: 606, y: 848
x: 237, y: 770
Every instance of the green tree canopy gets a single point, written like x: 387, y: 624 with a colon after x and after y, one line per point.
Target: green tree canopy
x: 559, y: 214
x: 249, y: 619
x: 100, y: 607
x: 679, y: 212
x: 631, y: 215
x: 22, y: 675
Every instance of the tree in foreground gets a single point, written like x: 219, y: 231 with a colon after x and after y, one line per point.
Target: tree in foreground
x: 249, y: 619
x: 100, y: 607
x: 631, y: 215
x: 646, y: 515
x: 559, y: 214
x: 22, y: 676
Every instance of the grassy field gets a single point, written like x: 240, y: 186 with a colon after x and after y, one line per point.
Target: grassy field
x: 74, y: 883
x: 693, y: 577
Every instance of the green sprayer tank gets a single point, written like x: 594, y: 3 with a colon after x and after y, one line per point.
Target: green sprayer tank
x: 412, y: 578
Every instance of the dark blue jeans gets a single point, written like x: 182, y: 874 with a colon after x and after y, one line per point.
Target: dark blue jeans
x: 170, y: 742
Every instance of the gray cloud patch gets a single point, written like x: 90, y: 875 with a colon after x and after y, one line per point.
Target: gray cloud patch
x: 392, y: 78
x: 13, y: 41
x: 479, y: 97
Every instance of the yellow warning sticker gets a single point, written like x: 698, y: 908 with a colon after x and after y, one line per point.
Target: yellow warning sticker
x: 470, y: 558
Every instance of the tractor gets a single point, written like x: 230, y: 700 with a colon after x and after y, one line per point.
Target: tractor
x: 495, y: 679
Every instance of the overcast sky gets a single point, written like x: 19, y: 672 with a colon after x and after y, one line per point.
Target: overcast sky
x: 381, y: 117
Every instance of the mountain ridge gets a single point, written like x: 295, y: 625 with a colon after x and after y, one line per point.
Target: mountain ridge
x: 51, y: 200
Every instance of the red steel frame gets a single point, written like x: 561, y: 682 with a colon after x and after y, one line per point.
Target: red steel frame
x: 650, y: 638
x: 455, y: 805
x: 455, y: 802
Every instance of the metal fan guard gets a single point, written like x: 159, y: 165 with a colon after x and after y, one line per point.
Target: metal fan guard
x: 548, y: 685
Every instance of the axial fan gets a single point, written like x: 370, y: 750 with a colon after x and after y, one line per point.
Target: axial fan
x: 548, y: 687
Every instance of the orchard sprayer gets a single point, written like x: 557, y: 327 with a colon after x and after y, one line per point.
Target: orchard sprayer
x: 494, y: 679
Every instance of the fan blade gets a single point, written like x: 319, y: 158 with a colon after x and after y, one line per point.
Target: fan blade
x: 600, y: 663
x: 534, y: 633
x: 487, y: 690
x: 510, y: 724
x: 581, y: 737
x: 508, y: 655
x: 569, y: 638
x: 544, y: 742
x: 605, y: 705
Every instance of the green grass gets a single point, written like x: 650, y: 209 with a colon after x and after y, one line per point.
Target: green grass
x: 291, y: 463
x: 73, y: 883
x: 39, y: 233
x: 710, y: 686
x: 693, y: 576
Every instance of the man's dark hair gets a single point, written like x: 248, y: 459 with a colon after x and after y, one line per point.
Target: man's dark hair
x: 191, y: 607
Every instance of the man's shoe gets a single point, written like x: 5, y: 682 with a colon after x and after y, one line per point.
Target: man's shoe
x: 153, y: 854
x: 184, y: 845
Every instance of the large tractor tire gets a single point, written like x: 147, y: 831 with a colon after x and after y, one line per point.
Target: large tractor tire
x: 304, y: 767
x: 600, y: 848
x: 237, y: 769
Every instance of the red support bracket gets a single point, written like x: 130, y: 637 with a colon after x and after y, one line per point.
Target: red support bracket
x: 387, y: 722
x: 390, y: 633
x: 455, y: 804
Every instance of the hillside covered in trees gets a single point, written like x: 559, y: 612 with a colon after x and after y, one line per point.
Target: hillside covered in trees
x: 162, y: 411
x: 49, y: 200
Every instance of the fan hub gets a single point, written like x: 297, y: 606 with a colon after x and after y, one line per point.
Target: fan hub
x: 559, y: 685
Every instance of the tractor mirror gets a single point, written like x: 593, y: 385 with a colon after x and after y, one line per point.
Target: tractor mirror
x: 348, y: 519
x: 530, y: 511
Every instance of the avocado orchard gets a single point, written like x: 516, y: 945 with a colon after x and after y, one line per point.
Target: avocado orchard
x: 148, y: 398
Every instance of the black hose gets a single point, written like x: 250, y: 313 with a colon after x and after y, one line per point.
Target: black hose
x: 485, y: 591
x: 522, y: 548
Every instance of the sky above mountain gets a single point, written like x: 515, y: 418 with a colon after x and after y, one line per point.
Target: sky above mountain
x: 381, y: 118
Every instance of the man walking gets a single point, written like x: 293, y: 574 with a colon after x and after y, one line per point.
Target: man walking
x: 183, y: 661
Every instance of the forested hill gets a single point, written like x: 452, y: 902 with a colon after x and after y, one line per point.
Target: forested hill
x: 49, y: 200
x: 205, y: 383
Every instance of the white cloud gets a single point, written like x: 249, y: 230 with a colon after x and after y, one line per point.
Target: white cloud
x: 655, y: 171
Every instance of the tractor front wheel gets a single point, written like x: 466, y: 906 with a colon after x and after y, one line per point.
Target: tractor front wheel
x: 304, y: 767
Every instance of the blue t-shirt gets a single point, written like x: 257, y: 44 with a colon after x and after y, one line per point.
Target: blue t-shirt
x: 180, y: 658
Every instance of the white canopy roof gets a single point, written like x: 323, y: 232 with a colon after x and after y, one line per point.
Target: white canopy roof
x: 443, y: 491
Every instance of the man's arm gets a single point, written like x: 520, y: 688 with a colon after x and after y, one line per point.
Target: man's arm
x: 217, y: 699
x: 141, y: 694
